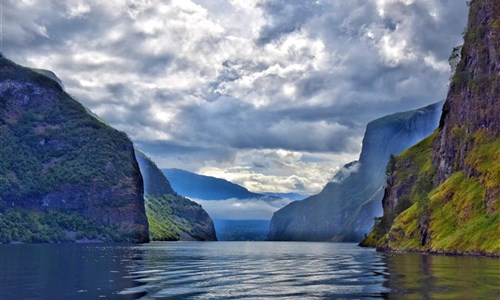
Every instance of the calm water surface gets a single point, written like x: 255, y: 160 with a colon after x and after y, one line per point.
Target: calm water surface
x: 236, y: 270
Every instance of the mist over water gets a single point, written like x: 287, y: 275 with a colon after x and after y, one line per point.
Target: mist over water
x: 236, y: 270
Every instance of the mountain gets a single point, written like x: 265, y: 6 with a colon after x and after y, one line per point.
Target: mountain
x: 197, y: 186
x: 239, y: 215
x: 443, y: 194
x: 64, y: 176
x: 171, y: 217
x: 345, y: 209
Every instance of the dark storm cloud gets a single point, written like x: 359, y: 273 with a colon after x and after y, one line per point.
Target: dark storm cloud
x: 262, y: 129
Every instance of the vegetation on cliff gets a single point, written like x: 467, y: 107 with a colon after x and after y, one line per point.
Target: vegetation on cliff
x: 175, y: 218
x: 171, y: 217
x: 56, y: 157
x: 444, y: 194
x: 452, y: 217
x: 52, y: 226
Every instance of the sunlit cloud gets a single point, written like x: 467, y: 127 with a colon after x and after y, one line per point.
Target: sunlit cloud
x: 238, y: 209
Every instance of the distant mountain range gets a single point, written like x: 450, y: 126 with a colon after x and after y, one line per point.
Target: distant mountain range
x: 198, y: 186
x: 238, y: 213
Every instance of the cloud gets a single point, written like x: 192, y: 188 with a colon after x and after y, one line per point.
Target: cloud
x: 237, y: 209
x: 201, y: 84
x: 284, y: 17
x: 346, y: 171
x: 277, y: 171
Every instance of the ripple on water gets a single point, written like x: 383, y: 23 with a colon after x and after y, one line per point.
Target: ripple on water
x: 258, y: 270
x: 239, y: 270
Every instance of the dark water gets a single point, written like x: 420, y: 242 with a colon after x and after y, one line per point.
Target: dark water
x: 236, y: 270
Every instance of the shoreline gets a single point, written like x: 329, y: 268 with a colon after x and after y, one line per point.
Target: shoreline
x: 441, y: 253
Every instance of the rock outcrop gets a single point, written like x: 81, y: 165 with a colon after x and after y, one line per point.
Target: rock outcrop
x: 59, y: 161
x: 345, y: 209
x: 171, y: 217
x: 443, y: 195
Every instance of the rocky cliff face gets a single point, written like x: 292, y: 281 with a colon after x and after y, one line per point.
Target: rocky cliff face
x: 443, y: 195
x: 171, y: 217
x: 58, y: 160
x: 473, y: 102
x: 345, y: 209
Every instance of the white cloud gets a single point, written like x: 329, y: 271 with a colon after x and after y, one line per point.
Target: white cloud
x: 345, y: 171
x: 76, y: 8
x: 279, y: 171
x: 221, y: 86
x: 395, y: 51
x: 237, y: 209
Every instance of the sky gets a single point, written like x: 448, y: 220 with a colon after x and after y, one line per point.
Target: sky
x: 242, y: 209
x: 270, y: 94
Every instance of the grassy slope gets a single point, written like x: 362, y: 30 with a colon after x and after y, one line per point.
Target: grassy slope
x: 172, y: 217
x: 416, y: 160
x: 162, y: 227
x: 459, y: 217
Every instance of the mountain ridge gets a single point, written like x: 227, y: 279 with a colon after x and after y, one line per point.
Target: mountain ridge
x: 204, y: 187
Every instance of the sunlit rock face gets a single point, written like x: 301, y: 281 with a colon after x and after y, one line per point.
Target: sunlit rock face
x: 57, y: 159
x: 171, y: 217
x: 345, y: 209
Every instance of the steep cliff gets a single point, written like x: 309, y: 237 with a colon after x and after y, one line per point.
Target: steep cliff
x: 64, y: 176
x: 345, y: 209
x: 171, y: 217
x: 155, y: 183
x: 443, y: 195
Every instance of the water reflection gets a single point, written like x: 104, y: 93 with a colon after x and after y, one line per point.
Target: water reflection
x: 65, y: 271
x: 239, y: 270
x: 259, y: 270
x: 417, y: 276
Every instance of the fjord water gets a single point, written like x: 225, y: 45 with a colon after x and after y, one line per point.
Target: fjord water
x: 236, y: 270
